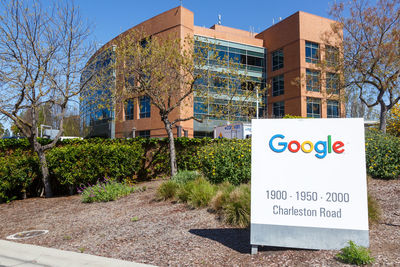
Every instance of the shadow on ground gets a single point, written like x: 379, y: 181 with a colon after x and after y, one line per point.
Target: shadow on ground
x: 234, y: 238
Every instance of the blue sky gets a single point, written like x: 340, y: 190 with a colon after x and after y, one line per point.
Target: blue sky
x: 110, y: 18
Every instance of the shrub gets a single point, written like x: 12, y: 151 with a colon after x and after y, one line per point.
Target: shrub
x: 237, y: 209
x: 89, y: 162
x: 184, y: 191
x: 354, y: 254
x: 393, y: 121
x: 374, y: 211
x: 17, y: 174
x: 183, y: 177
x: 167, y: 190
x: 221, y: 197
x: 227, y: 160
x: 382, y: 155
x: 103, y: 192
x: 201, y: 193
x: 288, y: 116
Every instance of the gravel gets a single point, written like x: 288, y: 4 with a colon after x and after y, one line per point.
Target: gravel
x: 140, y: 229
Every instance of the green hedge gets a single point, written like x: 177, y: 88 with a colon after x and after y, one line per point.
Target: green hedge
x: 73, y: 162
x: 18, y: 173
x: 226, y: 160
x: 382, y: 155
x: 87, y: 163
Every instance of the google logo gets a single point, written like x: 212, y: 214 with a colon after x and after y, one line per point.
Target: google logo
x: 322, y: 148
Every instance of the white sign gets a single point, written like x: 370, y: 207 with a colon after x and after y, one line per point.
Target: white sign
x: 308, y: 184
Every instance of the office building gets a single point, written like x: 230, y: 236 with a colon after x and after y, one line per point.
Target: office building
x: 284, y: 57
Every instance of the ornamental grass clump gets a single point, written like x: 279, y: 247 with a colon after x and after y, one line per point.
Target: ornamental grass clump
x: 167, y: 190
x: 185, y: 176
x: 374, y: 211
x: 105, y: 191
x: 221, y: 198
x: 201, y: 193
x: 236, y: 211
x: 354, y: 254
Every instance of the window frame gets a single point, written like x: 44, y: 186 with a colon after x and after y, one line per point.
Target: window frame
x: 143, y: 111
x: 331, y: 55
x: 280, y: 108
x: 330, y: 104
x: 313, y: 101
x: 144, y: 133
x: 278, y: 85
x: 277, y: 58
x: 129, y: 105
x: 332, y: 83
x: 312, y: 52
x: 313, y: 80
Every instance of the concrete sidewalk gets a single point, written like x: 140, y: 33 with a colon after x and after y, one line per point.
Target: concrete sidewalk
x: 17, y: 254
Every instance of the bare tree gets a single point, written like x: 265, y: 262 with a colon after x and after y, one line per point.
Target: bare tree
x: 370, y: 52
x: 42, y: 54
x: 169, y: 72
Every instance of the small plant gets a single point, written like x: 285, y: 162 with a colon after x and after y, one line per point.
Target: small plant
x: 201, y: 193
x: 185, y: 176
x: 185, y: 190
x: 167, y: 190
x: 374, y: 211
x: 354, y: 254
x: 237, y: 208
x: 106, y: 191
x: 135, y: 219
x: 67, y: 237
x: 221, y: 198
x: 81, y: 250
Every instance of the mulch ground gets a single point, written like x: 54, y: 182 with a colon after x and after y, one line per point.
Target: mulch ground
x: 138, y: 228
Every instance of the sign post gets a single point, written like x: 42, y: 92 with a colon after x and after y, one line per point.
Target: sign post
x: 308, y: 184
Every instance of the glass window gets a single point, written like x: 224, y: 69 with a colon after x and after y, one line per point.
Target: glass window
x: 144, y: 106
x: 332, y: 83
x: 278, y: 85
x: 278, y: 109
x: 277, y: 59
x: 198, y: 134
x: 200, y: 108
x: 333, y: 109
x: 145, y: 134
x: 313, y: 80
x: 313, y: 107
x: 255, y: 61
x: 331, y: 55
x: 312, y: 52
x: 129, y: 107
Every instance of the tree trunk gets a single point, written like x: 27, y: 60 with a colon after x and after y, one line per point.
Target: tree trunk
x: 382, y: 118
x: 172, y: 152
x: 45, y: 173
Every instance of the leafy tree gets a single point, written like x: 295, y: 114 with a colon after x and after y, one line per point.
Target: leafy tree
x: 393, y: 126
x: 42, y: 53
x: 370, y: 52
x: 167, y: 70
x: 15, y: 130
x: 2, y: 131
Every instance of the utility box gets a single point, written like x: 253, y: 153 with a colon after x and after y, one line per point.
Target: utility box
x: 237, y: 130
